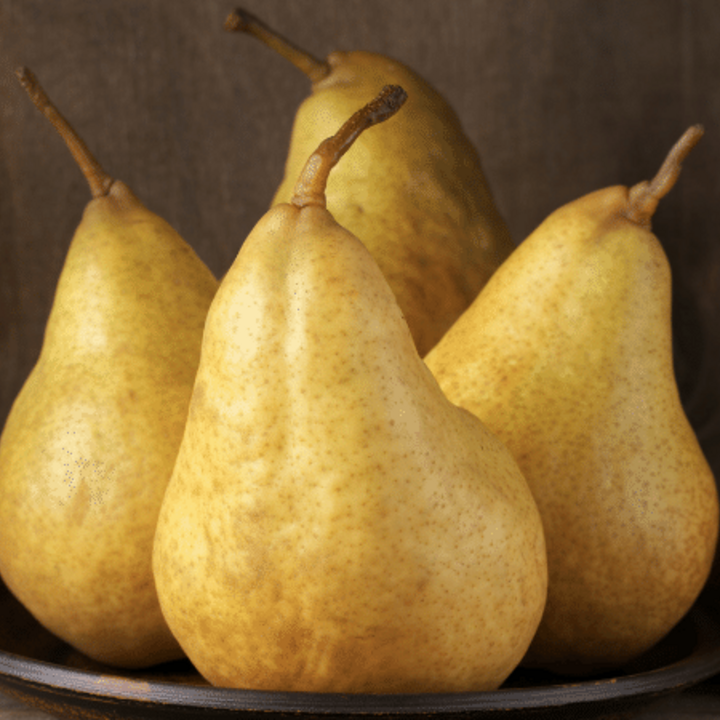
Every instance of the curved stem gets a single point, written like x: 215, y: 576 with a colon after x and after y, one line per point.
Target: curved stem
x: 310, y: 187
x: 98, y: 180
x: 241, y: 20
x: 644, y: 197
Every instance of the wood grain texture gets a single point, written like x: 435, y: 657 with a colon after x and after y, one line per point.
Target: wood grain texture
x: 561, y: 97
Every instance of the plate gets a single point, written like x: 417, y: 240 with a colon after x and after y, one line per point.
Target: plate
x: 38, y: 669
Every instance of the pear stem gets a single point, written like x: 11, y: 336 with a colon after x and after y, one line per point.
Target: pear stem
x: 310, y: 187
x: 240, y: 20
x: 644, y: 197
x: 98, y: 180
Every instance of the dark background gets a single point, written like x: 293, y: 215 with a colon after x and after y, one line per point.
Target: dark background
x: 561, y: 97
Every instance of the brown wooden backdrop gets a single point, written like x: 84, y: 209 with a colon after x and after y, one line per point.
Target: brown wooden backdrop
x: 560, y: 96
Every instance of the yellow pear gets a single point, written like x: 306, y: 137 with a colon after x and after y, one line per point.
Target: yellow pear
x: 566, y: 355
x: 91, y: 440
x: 333, y: 523
x: 415, y: 195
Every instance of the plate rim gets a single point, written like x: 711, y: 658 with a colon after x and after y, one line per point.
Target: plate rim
x: 94, y: 685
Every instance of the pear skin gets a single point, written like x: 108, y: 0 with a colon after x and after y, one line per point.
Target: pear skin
x: 92, y: 437
x: 333, y: 523
x: 416, y: 194
x: 566, y: 355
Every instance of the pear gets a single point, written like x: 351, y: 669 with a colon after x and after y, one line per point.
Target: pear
x: 415, y: 194
x: 566, y: 355
x: 333, y: 523
x: 91, y: 439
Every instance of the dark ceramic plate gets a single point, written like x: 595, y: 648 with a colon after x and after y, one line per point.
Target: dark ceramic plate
x: 38, y: 669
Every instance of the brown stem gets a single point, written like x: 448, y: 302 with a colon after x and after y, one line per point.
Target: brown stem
x: 241, y: 20
x: 98, y: 180
x: 310, y: 187
x: 643, y: 198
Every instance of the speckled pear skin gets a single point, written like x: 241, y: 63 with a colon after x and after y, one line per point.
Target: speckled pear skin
x: 91, y: 440
x: 566, y: 355
x: 416, y: 195
x: 333, y: 523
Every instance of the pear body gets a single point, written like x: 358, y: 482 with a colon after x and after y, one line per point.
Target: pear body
x: 416, y: 195
x: 333, y: 523
x: 566, y: 355
x: 90, y: 442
